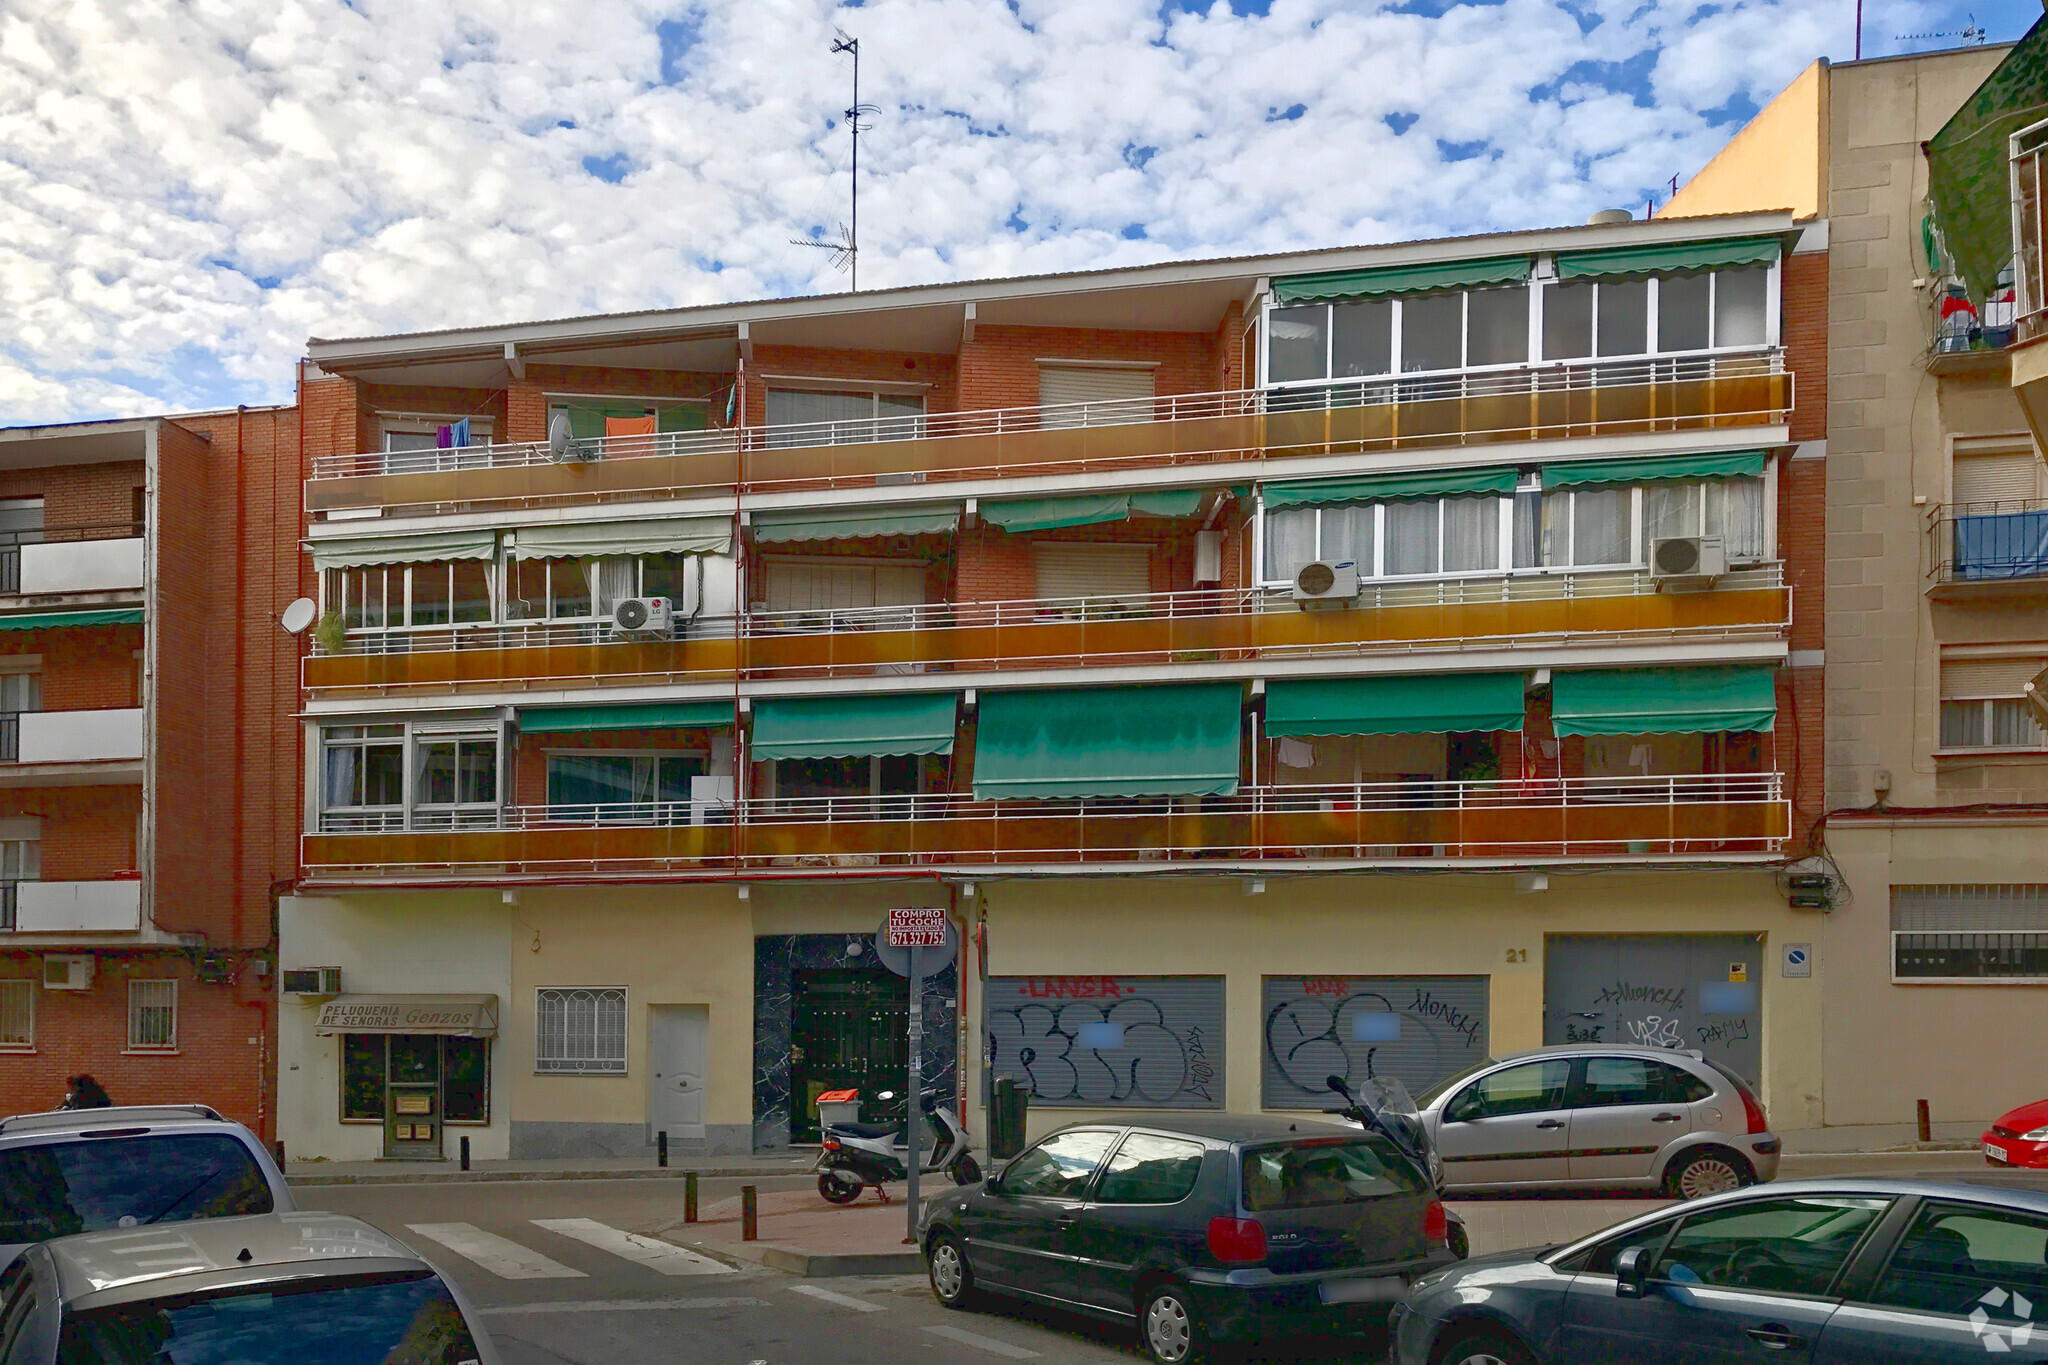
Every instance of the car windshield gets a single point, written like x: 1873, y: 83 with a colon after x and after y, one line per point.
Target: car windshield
x: 1306, y: 1175
x: 1450, y: 1083
x: 404, y: 1319
x: 54, y: 1189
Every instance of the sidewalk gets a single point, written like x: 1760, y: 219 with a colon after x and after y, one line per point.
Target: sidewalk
x: 802, y: 1234
x: 312, y: 1173
x: 1852, y: 1138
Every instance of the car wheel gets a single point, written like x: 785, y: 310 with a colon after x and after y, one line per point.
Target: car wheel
x: 1168, y: 1326
x: 837, y: 1188
x: 1486, y: 1346
x: 952, y: 1278
x: 1710, y: 1170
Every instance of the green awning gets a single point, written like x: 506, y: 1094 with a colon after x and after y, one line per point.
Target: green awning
x: 1401, y: 279
x: 651, y: 715
x: 1644, y: 260
x: 1398, y: 705
x: 772, y: 528
x: 1967, y: 171
x: 1089, y: 509
x: 1664, y: 701
x: 43, y: 620
x: 1431, y: 483
x: 654, y: 536
x: 1179, y: 739
x: 855, y: 726
x: 1733, y: 464
x: 425, y: 547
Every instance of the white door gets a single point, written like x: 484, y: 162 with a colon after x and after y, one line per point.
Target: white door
x: 675, y: 1050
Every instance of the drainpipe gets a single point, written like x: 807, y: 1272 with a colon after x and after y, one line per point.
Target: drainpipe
x: 238, y: 808
x: 958, y: 920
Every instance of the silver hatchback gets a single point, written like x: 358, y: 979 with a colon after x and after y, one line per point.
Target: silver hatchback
x: 1600, y: 1117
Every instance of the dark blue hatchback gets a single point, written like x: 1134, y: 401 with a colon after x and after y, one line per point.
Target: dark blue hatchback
x: 1827, y: 1271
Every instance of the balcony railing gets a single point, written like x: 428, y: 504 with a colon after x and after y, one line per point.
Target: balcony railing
x: 101, y: 907
x: 1521, y: 403
x: 1575, y: 817
x: 1153, y: 630
x: 1988, y: 542
x: 12, y: 543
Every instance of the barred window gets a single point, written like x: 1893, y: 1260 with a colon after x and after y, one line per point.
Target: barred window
x: 580, y: 1029
x: 152, y: 1015
x: 1970, y: 933
x: 17, y: 1013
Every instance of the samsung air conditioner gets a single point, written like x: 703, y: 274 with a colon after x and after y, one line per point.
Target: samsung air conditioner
x: 312, y: 981
x: 67, y: 972
x: 644, y: 616
x: 1326, y: 582
x: 2036, y: 694
x: 1687, y: 557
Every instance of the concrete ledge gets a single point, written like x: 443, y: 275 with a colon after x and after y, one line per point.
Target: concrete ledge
x: 810, y: 1265
x: 439, y: 1173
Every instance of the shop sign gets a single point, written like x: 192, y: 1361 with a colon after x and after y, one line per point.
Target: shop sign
x: 473, y: 1016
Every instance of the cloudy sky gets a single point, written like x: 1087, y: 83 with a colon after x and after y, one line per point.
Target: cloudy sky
x: 188, y: 190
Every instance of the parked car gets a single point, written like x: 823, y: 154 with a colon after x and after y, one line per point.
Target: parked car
x: 2019, y: 1137
x: 273, y: 1289
x: 82, y: 1170
x: 1600, y: 1117
x: 1826, y: 1271
x: 1196, y: 1229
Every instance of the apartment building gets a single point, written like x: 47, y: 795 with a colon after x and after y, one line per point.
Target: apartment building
x: 1937, y: 601
x: 148, y: 783
x: 1360, y: 660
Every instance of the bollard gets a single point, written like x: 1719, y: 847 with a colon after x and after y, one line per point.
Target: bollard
x: 1926, y: 1128
x: 280, y: 1151
x: 749, y: 1215
x: 661, y: 1148
x: 465, y: 1151
x: 690, y: 1197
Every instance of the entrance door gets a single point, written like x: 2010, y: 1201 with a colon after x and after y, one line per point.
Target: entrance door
x: 1658, y: 990
x: 412, y: 1098
x: 675, y: 1049
x: 851, y: 1032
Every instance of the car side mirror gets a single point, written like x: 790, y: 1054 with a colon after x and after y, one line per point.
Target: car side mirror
x: 1632, y: 1273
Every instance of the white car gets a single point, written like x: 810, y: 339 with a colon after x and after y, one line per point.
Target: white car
x: 85, y: 1170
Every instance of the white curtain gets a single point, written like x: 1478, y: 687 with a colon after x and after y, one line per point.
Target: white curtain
x: 341, y: 776
x: 1673, y: 509
x: 1600, y: 525
x: 616, y: 581
x: 1290, y: 542
x: 1735, y: 512
x: 1411, y: 537
x: 1347, y: 535
x: 1471, y: 534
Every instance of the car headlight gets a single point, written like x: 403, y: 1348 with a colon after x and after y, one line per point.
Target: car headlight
x: 2038, y: 1135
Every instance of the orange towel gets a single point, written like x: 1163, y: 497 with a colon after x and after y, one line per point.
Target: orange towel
x: 629, y: 426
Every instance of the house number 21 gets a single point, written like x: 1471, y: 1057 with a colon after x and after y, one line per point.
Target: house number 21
x: 1518, y: 954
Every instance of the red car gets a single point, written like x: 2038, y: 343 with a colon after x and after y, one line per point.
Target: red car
x: 2019, y: 1138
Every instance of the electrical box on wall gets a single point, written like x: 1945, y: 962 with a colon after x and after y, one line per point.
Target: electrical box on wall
x: 67, y: 972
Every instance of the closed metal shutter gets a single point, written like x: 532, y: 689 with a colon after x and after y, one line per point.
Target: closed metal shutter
x: 2009, y: 476
x: 1113, y: 395
x: 1987, y: 677
x: 2015, y: 908
x: 1108, y: 1042
x: 808, y: 585
x: 1658, y: 990
x: 1418, y: 1029
x: 1071, y: 569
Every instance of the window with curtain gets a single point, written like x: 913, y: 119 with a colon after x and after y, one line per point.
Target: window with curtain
x: 455, y: 777
x: 1586, y: 527
x: 17, y: 1013
x: 1707, y: 310
x: 1732, y: 509
x: 578, y: 784
x: 381, y: 597
x: 548, y: 590
x: 363, y: 769
x: 1404, y: 334
x: 835, y: 417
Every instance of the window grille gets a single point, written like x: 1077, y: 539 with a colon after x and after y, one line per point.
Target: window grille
x: 17, y: 1012
x: 580, y: 1030
x: 1962, y: 933
x: 153, y: 1014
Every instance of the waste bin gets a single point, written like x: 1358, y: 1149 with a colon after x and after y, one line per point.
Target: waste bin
x: 1006, y: 1110
x: 838, y: 1106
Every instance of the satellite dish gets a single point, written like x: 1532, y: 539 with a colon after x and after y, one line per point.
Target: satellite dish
x: 298, y: 616
x: 561, y: 438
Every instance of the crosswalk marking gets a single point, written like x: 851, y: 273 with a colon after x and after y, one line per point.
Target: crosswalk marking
x: 622, y: 1306
x: 502, y: 1257
x: 989, y: 1344
x: 655, y: 1255
x: 843, y: 1300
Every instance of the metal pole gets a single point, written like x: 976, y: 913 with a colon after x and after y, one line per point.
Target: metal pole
x: 465, y: 1151
x: 690, y: 1197
x: 750, y: 1230
x: 661, y: 1148
x: 1926, y: 1128
x: 913, y: 1128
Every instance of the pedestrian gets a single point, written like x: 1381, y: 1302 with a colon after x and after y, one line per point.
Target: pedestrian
x: 85, y: 1093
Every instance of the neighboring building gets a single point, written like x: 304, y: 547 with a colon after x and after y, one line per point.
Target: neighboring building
x: 1937, y: 601
x: 989, y: 597
x: 147, y: 782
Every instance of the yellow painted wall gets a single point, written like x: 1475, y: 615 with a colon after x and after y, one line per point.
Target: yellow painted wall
x: 1777, y: 161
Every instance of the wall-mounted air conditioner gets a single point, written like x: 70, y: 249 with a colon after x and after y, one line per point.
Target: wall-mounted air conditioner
x: 1678, y: 558
x: 644, y: 616
x: 312, y: 981
x: 67, y: 972
x: 1323, y: 582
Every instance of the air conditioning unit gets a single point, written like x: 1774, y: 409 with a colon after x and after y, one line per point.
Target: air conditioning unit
x: 1683, y: 557
x: 1325, y: 582
x: 644, y: 616
x: 2036, y: 694
x: 67, y: 972
x: 312, y: 981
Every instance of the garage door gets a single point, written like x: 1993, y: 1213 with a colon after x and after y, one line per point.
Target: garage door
x: 1108, y: 1042
x: 1418, y: 1029
x: 1658, y: 990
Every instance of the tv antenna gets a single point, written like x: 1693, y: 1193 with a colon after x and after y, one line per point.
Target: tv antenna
x: 1973, y: 34
x: 846, y: 250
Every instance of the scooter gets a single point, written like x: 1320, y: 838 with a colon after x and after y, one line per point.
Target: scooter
x: 1388, y: 1109
x: 854, y: 1156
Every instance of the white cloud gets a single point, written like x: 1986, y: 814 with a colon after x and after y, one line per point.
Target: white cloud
x: 189, y: 190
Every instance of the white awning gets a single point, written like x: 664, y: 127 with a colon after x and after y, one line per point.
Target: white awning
x: 461, y: 1016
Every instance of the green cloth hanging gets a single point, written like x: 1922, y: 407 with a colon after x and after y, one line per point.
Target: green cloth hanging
x: 862, y: 725
x: 1733, y: 464
x: 1667, y: 257
x: 1664, y: 701
x: 1401, y: 279
x: 1432, y: 483
x: 1400, y: 704
x: 1176, y: 739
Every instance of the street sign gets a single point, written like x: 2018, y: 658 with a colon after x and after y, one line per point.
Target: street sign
x: 917, y: 929
x: 913, y: 943
x: 1799, y: 959
x: 935, y: 952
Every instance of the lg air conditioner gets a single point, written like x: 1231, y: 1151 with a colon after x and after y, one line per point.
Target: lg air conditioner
x: 1678, y: 558
x: 67, y: 972
x: 643, y: 616
x: 1329, y: 583
x: 312, y: 981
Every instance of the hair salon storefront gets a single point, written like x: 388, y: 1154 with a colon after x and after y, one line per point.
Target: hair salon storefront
x: 415, y: 1064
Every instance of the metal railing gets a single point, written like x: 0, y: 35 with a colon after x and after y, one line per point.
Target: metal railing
x: 12, y: 541
x: 1988, y: 542
x: 10, y: 736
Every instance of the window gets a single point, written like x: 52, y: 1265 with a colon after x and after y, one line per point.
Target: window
x: 590, y: 418
x: 1586, y: 527
x: 57, y: 1189
x: 20, y: 691
x: 829, y: 584
x: 599, y: 780
x: 1636, y: 1080
x: 1599, y: 1259
x: 1985, y: 476
x: 1732, y: 509
x: 879, y: 775
x: 1982, y: 704
x: 1065, y: 570
x: 1969, y: 933
x: 18, y: 1014
x: 21, y: 523
x: 1662, y: 314
x: 1529, y: 1088
x: 368, y: 783
x: 370, y: 1061
x: 363, y: 768
x: 1111, y: 393
x: 389, y: 597
x: 466, y: 1080
x: 1059, y: 1167
x: 580, y: 1030
x: 1783, y: 1246
x: 832, y: 417
x: 1955, y: 1257
x: 362, y: 1077
x: 1410, y: 334
x: 20, y: 861
x: 152, y: 1016
x: 455, y: 777
x: 1151, y: 1170
x: 1317, y: 1174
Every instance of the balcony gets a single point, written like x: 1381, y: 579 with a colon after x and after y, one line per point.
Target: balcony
x: 1163, y: 629
x: 72, y: 561
x: 1991, y: 548
x: 1517, y: 403
x: 1715, y: 815
x: 105, y: 907
x: 71, y: 737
